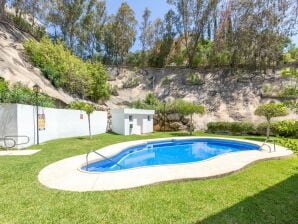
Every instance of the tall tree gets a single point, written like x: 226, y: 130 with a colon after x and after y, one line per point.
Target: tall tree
x: 91, y: 28
x: 66, y: 15
x: 120, y: 33
x: 146, y: 31
x: 125, y: 22
x: 255, y: 31
x: 192, y: 18
x: 2, y: 9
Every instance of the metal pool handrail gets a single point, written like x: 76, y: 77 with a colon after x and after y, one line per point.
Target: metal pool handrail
x: 265, y: 144
x: 93, y: 151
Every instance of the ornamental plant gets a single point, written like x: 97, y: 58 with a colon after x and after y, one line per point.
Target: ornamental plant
x: 270, y: 111
x: 87, y: 107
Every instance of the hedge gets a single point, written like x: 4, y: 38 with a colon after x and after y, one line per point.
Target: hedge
x: 233, y: 127
x: 286, y: 128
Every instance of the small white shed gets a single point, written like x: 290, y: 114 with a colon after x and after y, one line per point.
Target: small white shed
x: 132, y: 121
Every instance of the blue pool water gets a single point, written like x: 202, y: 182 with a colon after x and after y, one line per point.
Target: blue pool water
x: 169, y: 152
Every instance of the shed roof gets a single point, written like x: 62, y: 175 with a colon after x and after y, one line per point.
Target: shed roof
x: 133, y: 111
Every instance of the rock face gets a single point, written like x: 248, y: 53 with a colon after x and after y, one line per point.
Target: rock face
x: 170, y: 122
x: 14, y: 66
x: 226, y: 97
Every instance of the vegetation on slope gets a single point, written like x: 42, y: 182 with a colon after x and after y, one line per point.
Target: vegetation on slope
x: 63, y: 69
x: 19, y: 93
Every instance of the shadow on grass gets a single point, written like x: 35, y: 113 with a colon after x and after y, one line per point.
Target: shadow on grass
x: 277, y: 204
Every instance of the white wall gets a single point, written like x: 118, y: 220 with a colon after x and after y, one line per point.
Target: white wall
x: 121, y: 123
x: 59, y: 123
x: 147, y: 125
x: 118, y: 122
x: 8, y: 122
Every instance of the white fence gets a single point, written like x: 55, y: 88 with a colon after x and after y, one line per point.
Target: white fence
x: 19, y: 119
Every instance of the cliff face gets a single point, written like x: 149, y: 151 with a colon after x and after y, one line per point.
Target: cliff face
x: 226, y: 97
x: 14, y: 66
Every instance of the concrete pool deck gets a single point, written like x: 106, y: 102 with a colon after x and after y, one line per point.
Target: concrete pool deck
x: 25, y: 152
x: 66, y: 174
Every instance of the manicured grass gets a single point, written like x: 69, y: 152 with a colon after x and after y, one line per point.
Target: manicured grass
x: 266, y: 192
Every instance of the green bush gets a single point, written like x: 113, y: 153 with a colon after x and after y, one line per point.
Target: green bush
x: 19, y: 93
x: 289, y: 91
x: 288, y: 143
x: 166, y: 81
x: 233, y: 127
x: 286, y: 128
x: 194, y: 79
x: 131, y: 82
x: 67, y: 71
x: 113, y: 90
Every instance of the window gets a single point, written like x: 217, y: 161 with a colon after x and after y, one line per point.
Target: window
x: 149, y: 118
x: 130, y: 118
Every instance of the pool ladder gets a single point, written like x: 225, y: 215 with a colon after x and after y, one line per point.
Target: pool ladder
x: 266, y: 144
x: 97, y: 153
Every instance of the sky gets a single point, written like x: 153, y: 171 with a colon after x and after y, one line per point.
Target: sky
x: 158, y: 8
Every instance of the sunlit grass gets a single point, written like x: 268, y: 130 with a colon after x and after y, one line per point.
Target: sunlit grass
x: 262, y: 193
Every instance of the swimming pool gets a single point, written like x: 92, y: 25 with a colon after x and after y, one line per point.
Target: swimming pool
x: 168, y: 152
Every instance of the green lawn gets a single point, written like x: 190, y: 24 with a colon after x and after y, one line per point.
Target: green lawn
x: 266, y: 192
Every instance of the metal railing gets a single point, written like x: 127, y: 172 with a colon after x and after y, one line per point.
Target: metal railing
x: 13, y: 138
x: 266, y: 144
x: 97, y: 153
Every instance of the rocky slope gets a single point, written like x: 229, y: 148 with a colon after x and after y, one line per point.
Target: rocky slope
x: 226, y: 97
x: 14, y: 66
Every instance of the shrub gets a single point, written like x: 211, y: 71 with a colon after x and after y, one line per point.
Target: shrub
x: 131, y: 82
x: 113, y: 90
x: 66, y: 70
x: 289, y: 91
x: 166, y: 81
x: 19, y: 93
x: 286, y: 128
x: 288, y: 143
x: 194, y: 79
x: 233, y: 127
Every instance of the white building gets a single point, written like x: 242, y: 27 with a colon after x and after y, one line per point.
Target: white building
x: 132, y: 121
x: 20, y: 120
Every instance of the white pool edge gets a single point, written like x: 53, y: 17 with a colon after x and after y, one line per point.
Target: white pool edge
x: 67, y: 175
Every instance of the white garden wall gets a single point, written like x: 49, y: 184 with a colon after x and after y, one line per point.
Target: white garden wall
x: 18, y: 119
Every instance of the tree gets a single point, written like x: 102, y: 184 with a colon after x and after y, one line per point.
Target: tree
x: 270, y: 111
x: 65, y: 16
x: 87, y: 107
x: 120, y: 33
x: 2, y: 9
x: 254, y: 33
x: 187, y: 108
x: 146, y: 31
x: 91, y: 29
x: 192, y: 18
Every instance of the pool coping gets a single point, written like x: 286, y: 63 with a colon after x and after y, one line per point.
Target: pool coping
x: 66, y: 174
